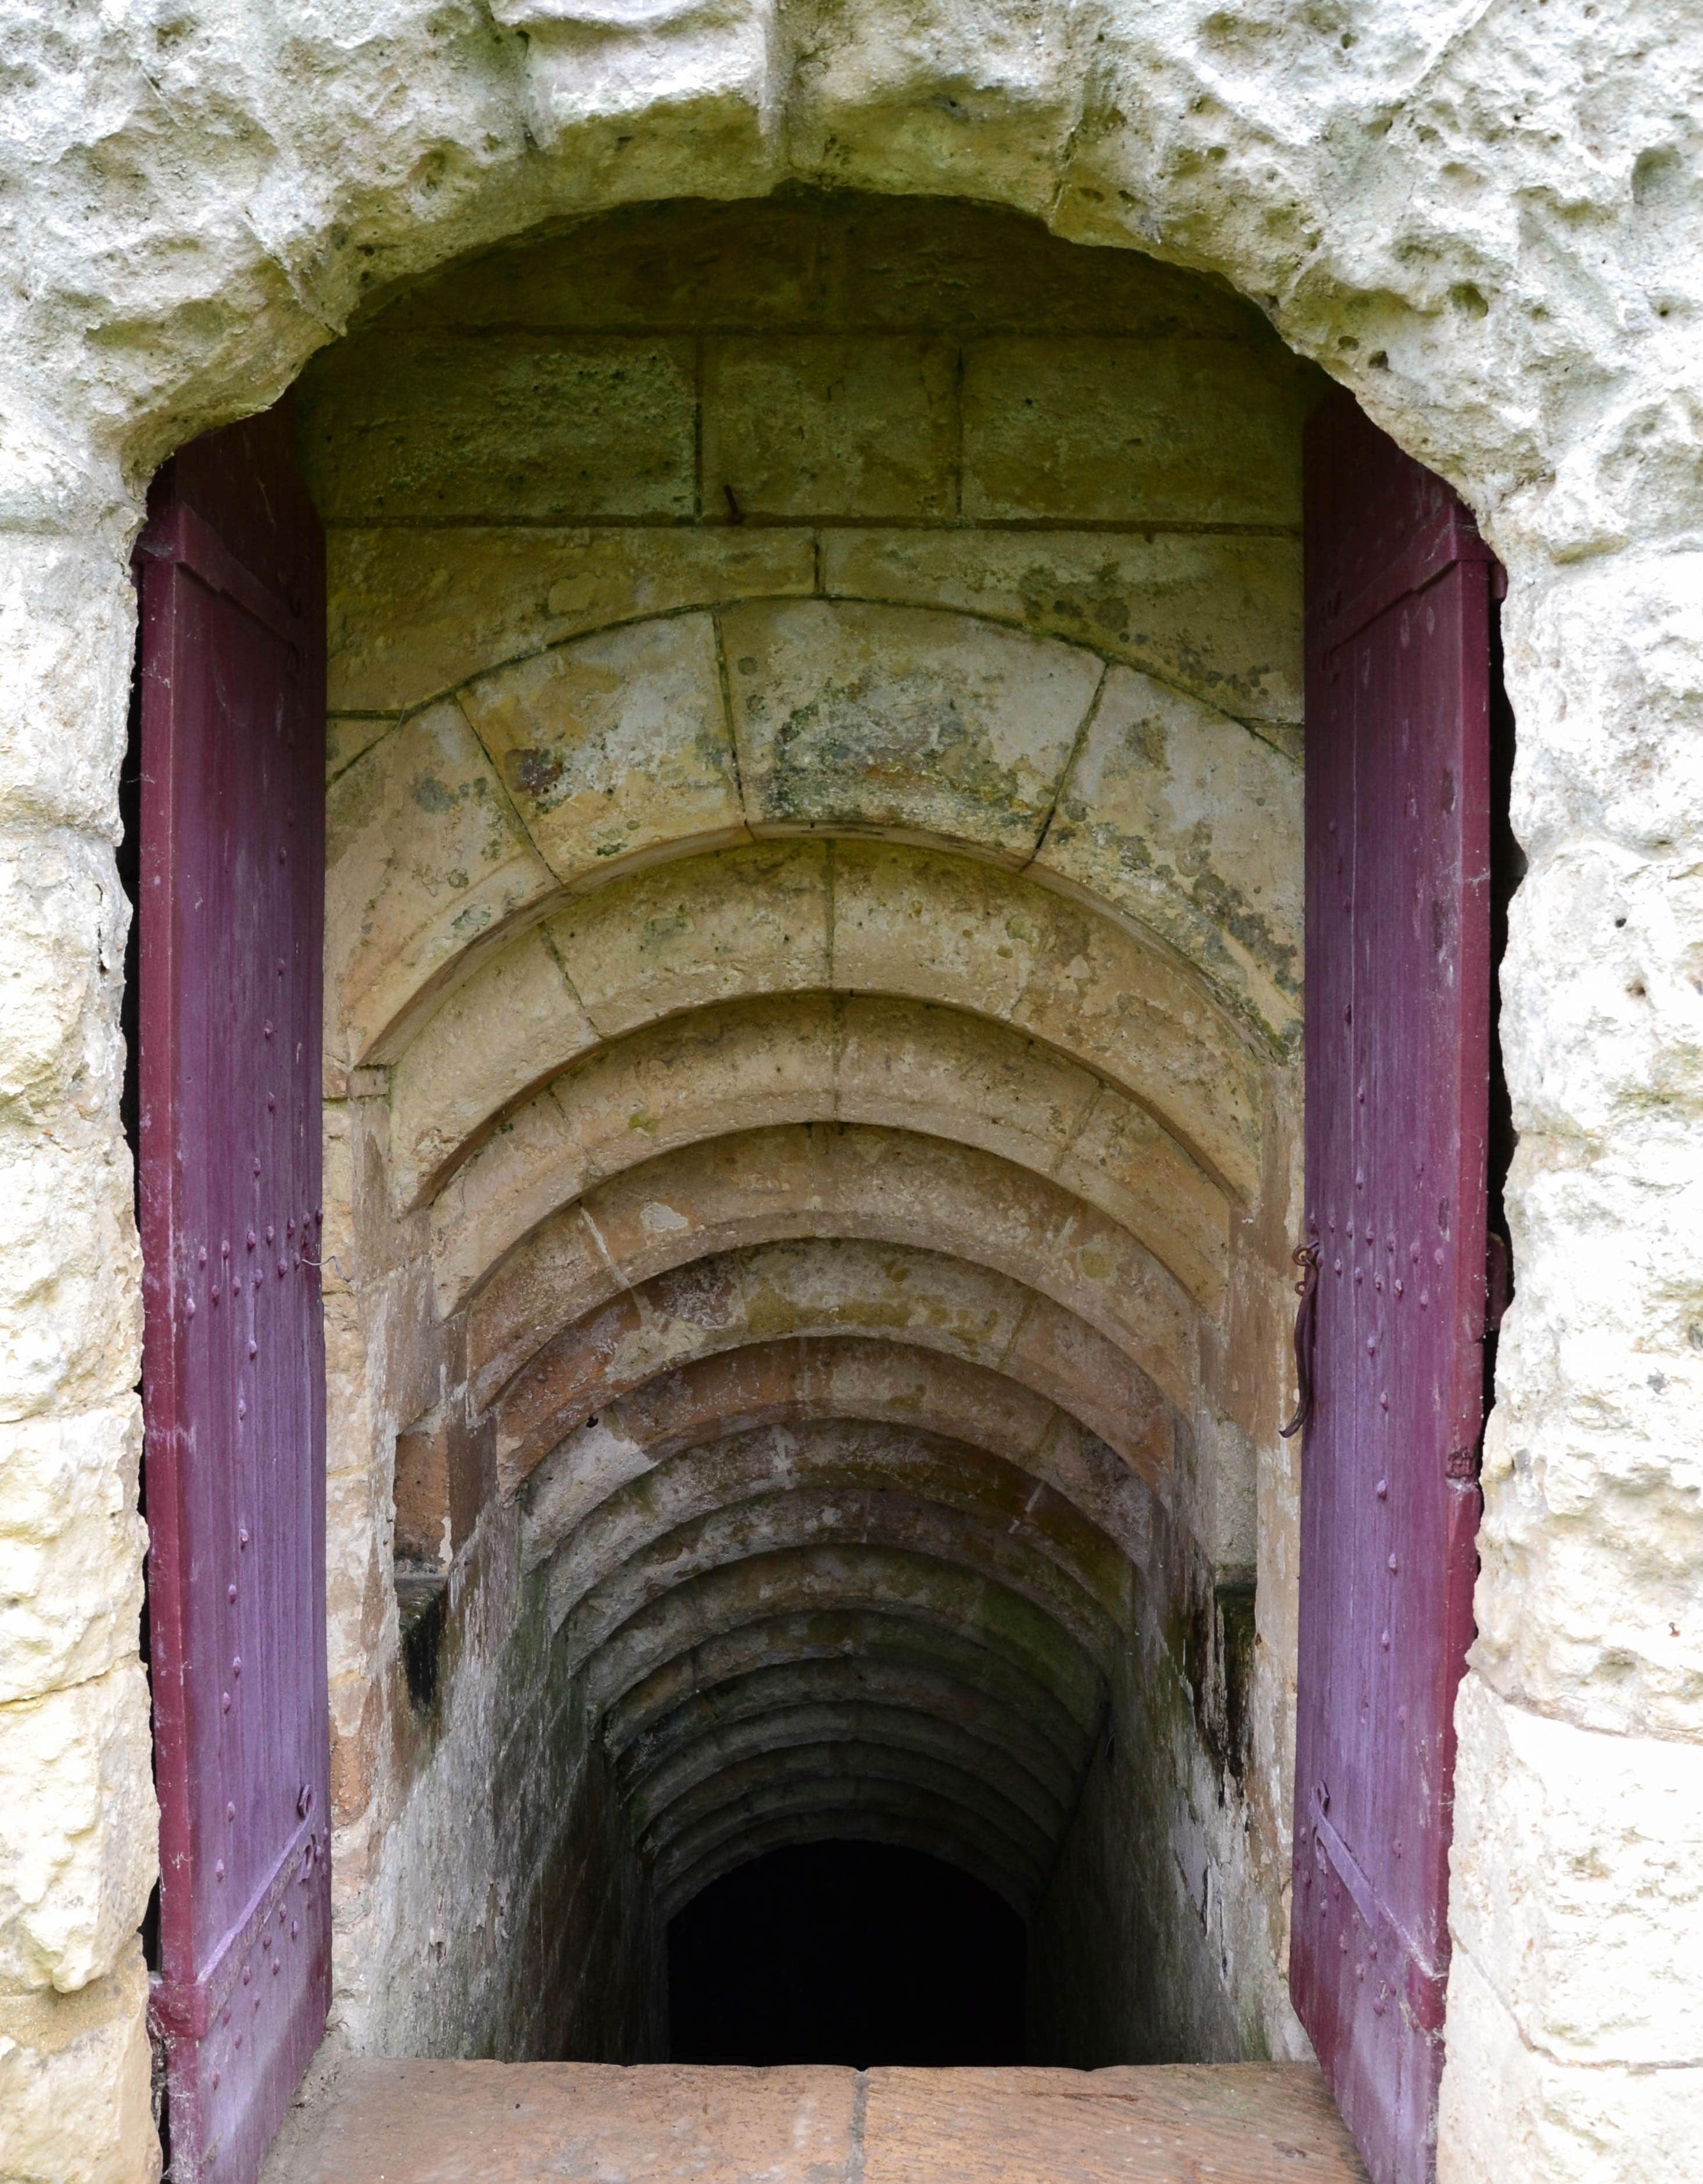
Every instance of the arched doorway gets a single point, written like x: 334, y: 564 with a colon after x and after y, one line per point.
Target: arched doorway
x: 813, y: 970
x: 1489, y: 296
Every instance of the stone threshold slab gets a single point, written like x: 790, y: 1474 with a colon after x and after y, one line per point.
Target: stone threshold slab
x: 513, y: 2123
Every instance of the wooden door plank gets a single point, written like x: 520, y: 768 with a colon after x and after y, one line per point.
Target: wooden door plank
x: 1397, y: 1063
x: 232, y: 884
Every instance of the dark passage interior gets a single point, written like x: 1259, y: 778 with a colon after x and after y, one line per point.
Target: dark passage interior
x: 846, y: 1953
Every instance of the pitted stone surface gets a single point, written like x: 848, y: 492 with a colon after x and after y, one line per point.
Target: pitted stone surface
x: 448, y: 2123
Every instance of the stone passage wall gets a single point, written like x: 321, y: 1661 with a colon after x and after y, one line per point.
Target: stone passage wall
x: 814, y: 942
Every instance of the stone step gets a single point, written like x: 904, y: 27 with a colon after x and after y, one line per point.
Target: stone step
x: 512, y: 2123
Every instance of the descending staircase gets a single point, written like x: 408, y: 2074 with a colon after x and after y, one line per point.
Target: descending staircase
x: 503, y: 2123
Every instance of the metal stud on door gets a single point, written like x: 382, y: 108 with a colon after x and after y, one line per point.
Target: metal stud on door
x: 231, y: 574
x: 1398, y: 1024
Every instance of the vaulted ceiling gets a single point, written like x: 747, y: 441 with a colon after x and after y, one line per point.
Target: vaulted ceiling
x: 835, y: 1055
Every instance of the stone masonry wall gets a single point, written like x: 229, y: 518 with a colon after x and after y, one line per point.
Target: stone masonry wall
x: 1486, y: 219
x: 918, y: 405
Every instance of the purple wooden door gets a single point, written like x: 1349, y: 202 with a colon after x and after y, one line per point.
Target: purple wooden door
x: 1398, y: 1022
x: 231, y: 906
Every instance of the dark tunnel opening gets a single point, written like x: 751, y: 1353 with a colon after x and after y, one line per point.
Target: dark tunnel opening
x: 849, y: 1952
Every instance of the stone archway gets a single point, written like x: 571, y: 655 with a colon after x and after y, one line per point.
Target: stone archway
x: 205, y: 205
x: 814, y: 921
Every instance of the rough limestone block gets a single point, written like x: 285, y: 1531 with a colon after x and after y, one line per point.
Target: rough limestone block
x: 67, y: 630
x: 64, y: 918
x: 1124, y: 1161
x: 615, y: 750
x: 412, y: 612
x: 425, y: 858
x: 1608, y: 654
x: 673, y: 1084
x: 725, y: 1314
x: 1508, y: 2110
x: 947, y: 930
x: 505, y: 427
x: 1593, y: 1474
x: 1589, y: 1599
x: 708, y: 70
x: 78, y: 1856
x: 1218, y: 616
x: 896, y: 99
x: 71, y: 1545
x: 674, y: 270
x: 889, y: 720
x: 1578, y: 1882
x: 979, y: 267
x: 514, y: 1021
x: 75, y: 2083
x: 347, y: 735
x: 1189, y: 824
x: 70, y: 1290
x: 1129, y: 431
x: 827, y: 425
x: 752, y: 919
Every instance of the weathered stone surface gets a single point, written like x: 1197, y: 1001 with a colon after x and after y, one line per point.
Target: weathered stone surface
x: 1510, y: 2108
x: 425, y: 858
x: 803, y: 2126
x: 1130, y: 432
x: 70, y: 1297
x: 1185, y: 823
x: 947, y: 930
x: 1594, y: 1964
x: 615, y: 749
x: 78, y: 1856
x: 513, y: 425
x: 864, y: 1331
x: 70, y: 1549
x: 807, y: 1057
x: 73, y: 2083
x: 757, y: 1464
x: 56, y: 1031
x: 449, y: 2121
x: 487, y: 1045
x: 883, y: 1185
x: 843, y: 1650
x: 415, y: 611
x: 707, y: 1333
x: 758, y: 916
x: 1217, y: 616
x: 890, y: 721
x: 816, y: 425
x: 1042, y: 2127
x: 67, y: 624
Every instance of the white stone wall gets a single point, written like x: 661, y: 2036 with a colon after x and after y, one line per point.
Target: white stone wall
x: 1487, y: 219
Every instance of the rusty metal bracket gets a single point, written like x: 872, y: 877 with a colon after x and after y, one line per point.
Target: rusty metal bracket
x: 1305, y: 1256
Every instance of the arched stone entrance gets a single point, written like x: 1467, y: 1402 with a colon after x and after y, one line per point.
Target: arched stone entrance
x: 1505, y: 299
x: 814, y: 945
